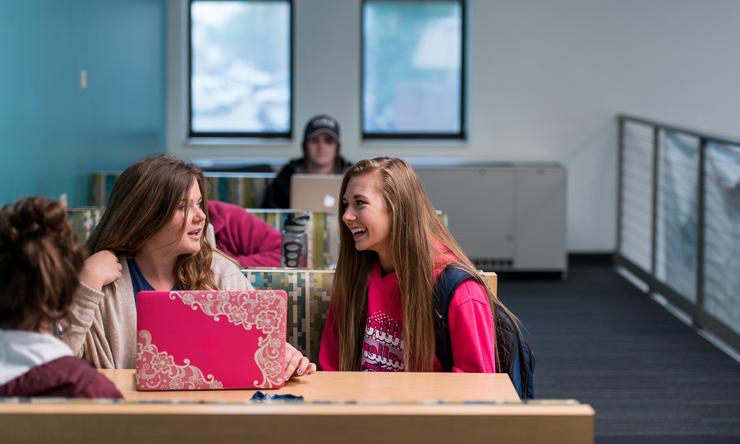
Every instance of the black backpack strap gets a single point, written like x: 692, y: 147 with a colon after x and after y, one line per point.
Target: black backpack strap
x: 515, y: 355
x: 447, y: 282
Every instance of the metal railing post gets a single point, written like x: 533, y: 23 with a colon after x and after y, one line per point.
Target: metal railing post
x: 701, y: 210
x: 620, y: 180
x: 654, y: 228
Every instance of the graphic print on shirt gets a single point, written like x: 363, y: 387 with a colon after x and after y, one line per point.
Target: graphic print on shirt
x: 382, y: 348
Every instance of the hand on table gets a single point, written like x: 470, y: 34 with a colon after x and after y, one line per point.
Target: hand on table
x: 296, y: 364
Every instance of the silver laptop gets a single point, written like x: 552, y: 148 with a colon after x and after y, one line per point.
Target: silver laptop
x: 315, y: 192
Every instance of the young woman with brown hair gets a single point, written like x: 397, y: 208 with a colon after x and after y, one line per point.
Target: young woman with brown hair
x: 151, y: 237
x: 392, y: 249
x: 39, y: 262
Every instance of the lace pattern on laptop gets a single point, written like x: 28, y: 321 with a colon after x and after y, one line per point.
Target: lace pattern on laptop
x: 157, y: 370
x: 249, y: 310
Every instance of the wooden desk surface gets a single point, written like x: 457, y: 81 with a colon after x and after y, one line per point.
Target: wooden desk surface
x: 390, y: 406
x: 343, y: 386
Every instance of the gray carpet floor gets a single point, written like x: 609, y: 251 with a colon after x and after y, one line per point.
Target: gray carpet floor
x: 649, y: 377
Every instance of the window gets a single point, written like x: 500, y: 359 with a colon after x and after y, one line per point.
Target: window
x: 413, y: 70
x: 240, y: 68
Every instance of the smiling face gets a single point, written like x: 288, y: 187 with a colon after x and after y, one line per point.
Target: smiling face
x: 172, y: 236
x: 366, y: 214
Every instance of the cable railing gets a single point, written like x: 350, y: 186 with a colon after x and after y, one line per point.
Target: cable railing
x: 678, y: 220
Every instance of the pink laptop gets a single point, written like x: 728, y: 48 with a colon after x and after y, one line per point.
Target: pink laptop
x: 209, y: 340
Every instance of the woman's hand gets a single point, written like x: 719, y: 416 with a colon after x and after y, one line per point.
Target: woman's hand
x: 100, y: 269
x: 296, y: 364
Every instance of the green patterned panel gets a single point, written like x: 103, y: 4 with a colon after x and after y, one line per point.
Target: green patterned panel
x: 83, y: 220
x: 294, y: 283
x: 317, y: 240
x: 323, y: 240
x: 254, y: 191
x: 243, y: 189
x: 307, y: 304
x: 319, y: 298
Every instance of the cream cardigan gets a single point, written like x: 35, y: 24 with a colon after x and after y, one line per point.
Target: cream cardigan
x: 102, y: 325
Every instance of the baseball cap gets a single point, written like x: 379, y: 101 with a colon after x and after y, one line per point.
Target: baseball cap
x: 321, y: 124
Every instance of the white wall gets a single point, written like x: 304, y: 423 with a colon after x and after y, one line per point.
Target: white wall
x: 546, y: 80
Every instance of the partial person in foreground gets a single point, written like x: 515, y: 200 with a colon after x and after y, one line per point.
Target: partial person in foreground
x: 40, y: 259
x: 393, y: 248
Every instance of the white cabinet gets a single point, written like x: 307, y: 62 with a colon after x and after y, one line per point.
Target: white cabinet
x: 539, y: 208
x: 505, y: 216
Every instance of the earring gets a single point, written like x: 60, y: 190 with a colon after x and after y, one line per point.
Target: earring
x: 58, y: 330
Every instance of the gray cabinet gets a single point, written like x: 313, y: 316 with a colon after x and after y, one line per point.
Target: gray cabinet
x: 505, y: 216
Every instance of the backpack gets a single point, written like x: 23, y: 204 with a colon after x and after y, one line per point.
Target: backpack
x: 515, y: 356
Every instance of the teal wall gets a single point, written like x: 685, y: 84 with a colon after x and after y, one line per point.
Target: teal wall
x: 52, y: 133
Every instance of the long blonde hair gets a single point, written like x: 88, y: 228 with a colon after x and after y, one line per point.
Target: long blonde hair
x: 143, y: 201
x: 416, y: 232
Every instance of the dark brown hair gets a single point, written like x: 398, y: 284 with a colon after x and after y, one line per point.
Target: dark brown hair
x: 143, y: 201
x: 40, y: 260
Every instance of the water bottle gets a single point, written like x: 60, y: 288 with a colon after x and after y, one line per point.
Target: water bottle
x: 295, y: 242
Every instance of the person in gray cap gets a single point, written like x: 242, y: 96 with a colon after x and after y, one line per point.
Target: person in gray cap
x: 321, y: 147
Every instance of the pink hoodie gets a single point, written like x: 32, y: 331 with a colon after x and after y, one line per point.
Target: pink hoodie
x: 243, y: 236
x: 470, y: 321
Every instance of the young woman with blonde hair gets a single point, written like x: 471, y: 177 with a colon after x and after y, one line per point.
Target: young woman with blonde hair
x: 151, y: 237
x: 393, y: 248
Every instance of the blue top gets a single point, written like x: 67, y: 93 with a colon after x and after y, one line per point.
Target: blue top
x: 137, y: 279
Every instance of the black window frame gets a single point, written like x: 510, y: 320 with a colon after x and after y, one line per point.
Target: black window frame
x: 291, y: 70
x: 459, y: 135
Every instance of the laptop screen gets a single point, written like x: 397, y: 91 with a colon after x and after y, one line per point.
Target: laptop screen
x: 315, y: 192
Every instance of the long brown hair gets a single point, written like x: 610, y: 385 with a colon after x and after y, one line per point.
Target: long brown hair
x: 40, y: 260
x: 416, y: 236
x: 143, y: 201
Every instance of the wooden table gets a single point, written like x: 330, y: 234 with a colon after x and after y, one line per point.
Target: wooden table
x: 342, y: 386
x: 338, y: 408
